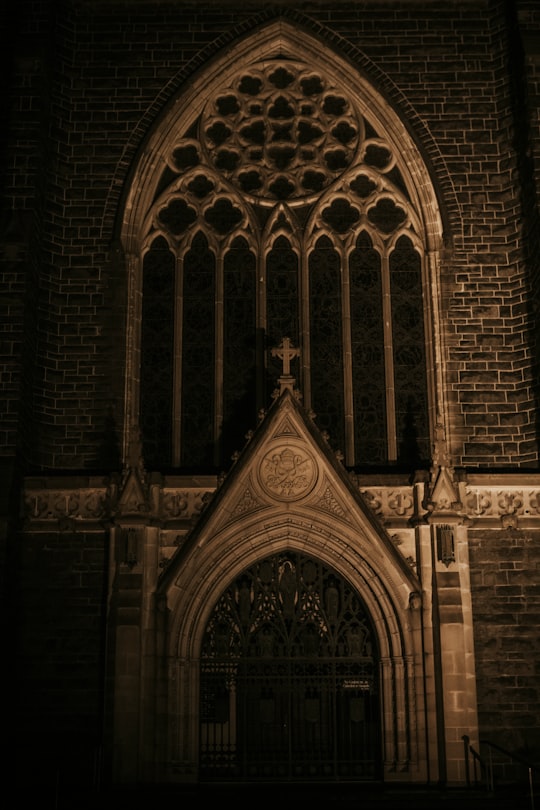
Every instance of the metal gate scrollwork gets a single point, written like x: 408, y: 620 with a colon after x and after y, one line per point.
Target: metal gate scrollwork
x: 288, y: 678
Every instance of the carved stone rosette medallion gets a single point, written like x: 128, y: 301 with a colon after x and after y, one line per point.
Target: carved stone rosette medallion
x: 287, y: 472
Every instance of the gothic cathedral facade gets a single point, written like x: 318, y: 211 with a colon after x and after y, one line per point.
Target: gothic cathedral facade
x: 271, y: 439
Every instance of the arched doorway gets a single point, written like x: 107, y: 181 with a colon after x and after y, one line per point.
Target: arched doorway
x: 292, y: 647
x: 289, y: 678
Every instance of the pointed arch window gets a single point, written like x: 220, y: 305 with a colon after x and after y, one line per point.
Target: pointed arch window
x: 284, y: 210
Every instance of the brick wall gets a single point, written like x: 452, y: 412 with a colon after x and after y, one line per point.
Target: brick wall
x: 505, y: 584
x: 529, y: 23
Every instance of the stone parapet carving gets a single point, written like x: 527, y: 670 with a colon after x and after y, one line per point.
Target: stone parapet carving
x: 484, y: 501
x: 45, y: 501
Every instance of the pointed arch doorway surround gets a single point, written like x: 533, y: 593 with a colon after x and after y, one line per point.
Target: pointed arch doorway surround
x: 293, y: 648
x: 279, y: 710
x: 289, y: 686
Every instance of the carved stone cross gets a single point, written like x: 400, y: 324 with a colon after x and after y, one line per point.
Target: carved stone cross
x: 286, y: 352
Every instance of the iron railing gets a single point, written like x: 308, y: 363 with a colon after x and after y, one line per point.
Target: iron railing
x: 484, y: 766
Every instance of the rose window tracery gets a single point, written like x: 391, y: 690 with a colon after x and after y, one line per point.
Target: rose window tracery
x: 281, y: 132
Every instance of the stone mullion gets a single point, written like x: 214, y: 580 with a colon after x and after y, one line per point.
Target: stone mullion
x: 177, y: 363
x: 347, y: 358
x: 391, y: 432
x: 436, y: 350
x: 305, y: 353
x: 219, y: 354
x: 133, y: 349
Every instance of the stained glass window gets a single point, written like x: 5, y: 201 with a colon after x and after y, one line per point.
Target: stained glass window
x: 283, y: 212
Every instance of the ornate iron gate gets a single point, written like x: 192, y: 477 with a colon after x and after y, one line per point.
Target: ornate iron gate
x: 288, y: 678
